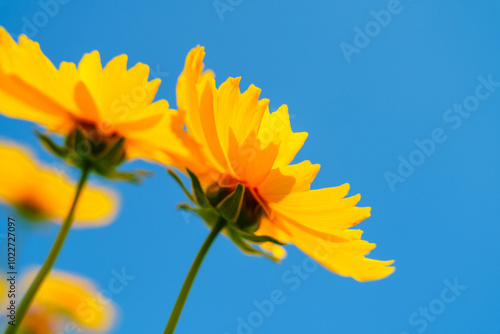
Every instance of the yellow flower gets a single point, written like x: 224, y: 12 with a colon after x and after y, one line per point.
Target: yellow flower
x: 243, y: 143
x: 67, y: 302
x: 41, y: 192
x: 104, y: 103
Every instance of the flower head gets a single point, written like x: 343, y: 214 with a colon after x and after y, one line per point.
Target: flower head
x: 41, y: 192
x: 108, y: 106
x: 66, y: 298
x: 242, y: 143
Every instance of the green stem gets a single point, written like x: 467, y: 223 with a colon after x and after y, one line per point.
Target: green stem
x: 181, y: 299
x: 28, y: 298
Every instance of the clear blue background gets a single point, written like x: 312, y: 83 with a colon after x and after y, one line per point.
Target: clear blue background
x: 440, y: 224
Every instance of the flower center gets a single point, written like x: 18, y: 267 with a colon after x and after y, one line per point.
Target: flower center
x: 31, y: 209
x: 87, y: 145
x: 96, y: 141
x: 251, y: 211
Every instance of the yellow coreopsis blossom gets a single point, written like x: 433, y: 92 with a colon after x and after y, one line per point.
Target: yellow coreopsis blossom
x: 105, y: 104
x: 243, y: 143
x: 42, y: 192
x: 66, y: 303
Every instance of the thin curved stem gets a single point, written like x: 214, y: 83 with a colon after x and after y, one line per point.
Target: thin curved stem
x: 28, y: 298
x: 188, y: 282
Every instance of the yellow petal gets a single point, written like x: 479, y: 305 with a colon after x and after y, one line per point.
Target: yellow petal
x: 250, y: 112
x: 225, y: 112
x: 113, y: 100
x: 90, y: 72
x: 208, y: 104
x: 322, y: 210
x: 85, y: 101
x: 236, y: 131
x: 126, y: 93
x: 238, y: 113
x: 187, y: 93
x: 64, y: 295
x: 249, y: 161
x: 96, y: 207
x: 160, y: 137
x: 346, y: 258
x: 30, y: 85
x: 19, y: 100
x: 276, y: 127
x: 151, y: 116
x: 275, y: 250
x: 267, y: 228
x: 289, y: 179
x: 49, y: 190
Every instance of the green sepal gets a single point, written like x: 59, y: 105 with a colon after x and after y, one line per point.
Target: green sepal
x: 256, y: 238
x: 102, y: 158
x: 69, y: 140
x: 187, y: 207
x: 79, y: 143
x: 59, y: 151
x: 136, y: 176
x: 114, y: 156
x: 207, y: 214
x: 247, y: 248
x: 181, y: 184
x: 199, y: 194
x: 230, y: 207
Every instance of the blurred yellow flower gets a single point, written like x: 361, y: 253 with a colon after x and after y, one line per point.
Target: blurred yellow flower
x: 243, y: 143
x: 66, y: 303
x: 104, y: 103
x: 40, y: 192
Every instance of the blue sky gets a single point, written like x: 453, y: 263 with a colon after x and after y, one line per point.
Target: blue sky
x: 400, y: 99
